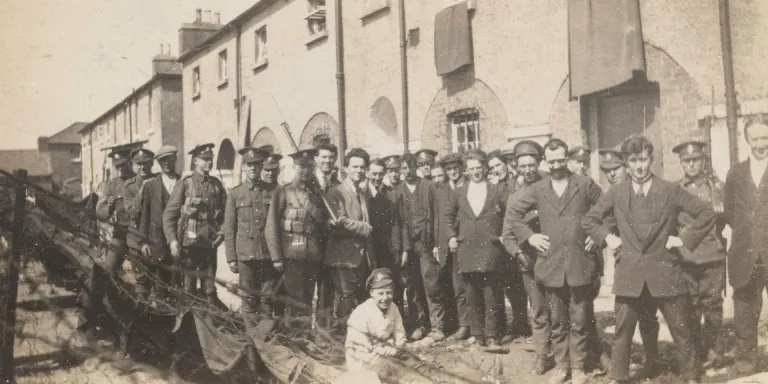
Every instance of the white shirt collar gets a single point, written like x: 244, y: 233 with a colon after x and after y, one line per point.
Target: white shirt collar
x: 373, y: 189
x: 757, y: 168
x: 646, y: 186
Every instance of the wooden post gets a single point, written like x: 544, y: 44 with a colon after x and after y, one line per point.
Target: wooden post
x: 9, y: 286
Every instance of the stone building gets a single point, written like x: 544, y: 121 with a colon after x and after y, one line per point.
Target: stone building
x: 149, y: 117
x: 269, y: 71
x: 517, y: 85
x: 64, y: 150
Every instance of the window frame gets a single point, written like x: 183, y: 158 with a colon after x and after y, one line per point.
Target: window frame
x: 261, y: 46
x: 460, y: 122
x: 196, y: 82
x: 223, y: 70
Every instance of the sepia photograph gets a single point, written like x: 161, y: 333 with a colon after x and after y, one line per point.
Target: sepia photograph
x: 384, y: 191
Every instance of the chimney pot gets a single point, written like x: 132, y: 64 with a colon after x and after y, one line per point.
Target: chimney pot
x: 199, y: 15
x: 161, y: 48
x: 217, y: 17
x: 169, y: 49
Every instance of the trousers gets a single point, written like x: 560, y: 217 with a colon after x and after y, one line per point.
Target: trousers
x: 203, y: 261
x: 259, y: 276
x: 99, y: 279
x: 706, y: 284
x: 299, y: 278
x: 417, y: 315
x: 539, y: 313
x: 484, y: 293
x: 349, y: 287
x: 460, y: 291
x: 149, y: 278
x: 569, y: 331
x: 676, y: 313
x: 514, y: 290
x: 432, y: 277
x: 747, y: 305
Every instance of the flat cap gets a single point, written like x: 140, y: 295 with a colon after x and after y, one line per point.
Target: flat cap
x: 120, y: 156
x: 425, y: 155
x: 579, y: 153
x: 610, y: 159
x: 392, y: 162
x: 203, y: 151
x: 690, y: 150
x: 252, y: 155
x: 528, y: 148
x: 450, y: 159
x: 304, y: 156
x: 508, y: 149
x: 142, y: 156
x: 379, y: 278
x: 165, y: 150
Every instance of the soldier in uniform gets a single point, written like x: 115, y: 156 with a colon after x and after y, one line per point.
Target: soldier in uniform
x: 529, y: 154
x: 192, y: 222
x: 111, y: 209
x: 578, y: 160
x: 425, y: 161
x: 270, y: 170
x: 245, y: 219
x: 295, y: 232
x: 704, y: 267
x: 393, y: 177
x: 613, y: 166
x: 154, y: 197
x: 132, y: 194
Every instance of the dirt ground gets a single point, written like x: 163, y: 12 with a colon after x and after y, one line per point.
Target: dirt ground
x: 49, y: 350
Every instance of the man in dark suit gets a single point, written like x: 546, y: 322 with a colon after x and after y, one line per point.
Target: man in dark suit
x: 565, y: 266
x: 420, y: 214
x: 454, y: 170
x: 326, y: 176
x: 528, y: 161
x: 349, y: 252
x: 472, y: 220
x: 746, y: 212
x: 154, y: 198
x: 648, y: 275
x: 388, y: 229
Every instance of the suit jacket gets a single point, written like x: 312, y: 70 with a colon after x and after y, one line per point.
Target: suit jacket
x: 746, y: 211
x: 386, y: 214
x: 510, y: 242
x: 643, y: 258
x: 423, y: 232
x: 479, y: 248
x: 154, y: 198
x: 565, y: 262
x: 350, y: 244
x: 443, y: 197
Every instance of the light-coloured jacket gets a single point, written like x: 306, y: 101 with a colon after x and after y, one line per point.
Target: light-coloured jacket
x: 368, y: 328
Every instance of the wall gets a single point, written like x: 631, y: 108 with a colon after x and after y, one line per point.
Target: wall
x: 64, y: 166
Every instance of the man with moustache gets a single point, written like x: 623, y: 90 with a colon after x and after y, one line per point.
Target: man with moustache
x: 296, y: 230
x: 578, y: 160
x: 566, y: 266
x: 528, y: 162
x: 387, y: 222
x: 192, y: 222
x: 154, y: 198
x: 420, y: 210
x: 349, y: 253
x: 746, y: 212
x: 704, y: 267
x: 453, y: 164
x: 648, y: 274
x: 425, y: 160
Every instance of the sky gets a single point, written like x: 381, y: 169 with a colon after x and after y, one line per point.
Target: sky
x: 67, y: 61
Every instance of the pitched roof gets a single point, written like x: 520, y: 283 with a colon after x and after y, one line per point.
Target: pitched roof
x: 69, y: 135
x: 36, y: 163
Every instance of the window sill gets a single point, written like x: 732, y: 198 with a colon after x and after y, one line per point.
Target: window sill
x: 196, y: 96
x: 261, y: 64
x: 76, y: 161
x: 317, y: 38
x: 223, y: 83
x: 374, y: 10
x: 316, y: 14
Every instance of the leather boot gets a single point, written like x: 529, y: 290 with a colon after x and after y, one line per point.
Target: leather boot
x: 461, y: 334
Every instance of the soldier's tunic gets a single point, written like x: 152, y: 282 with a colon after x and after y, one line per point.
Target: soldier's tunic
x: 194, y: 217
x: 295, y: 231
x: 132, y: 191
x: 704, y: 270
x: 245, y: 220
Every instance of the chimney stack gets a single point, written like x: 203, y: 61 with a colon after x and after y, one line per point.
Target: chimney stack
x: 199, y: 15
x: 164, y: 62
x: 207, y: 15
x: 193, y: 34
x: 217, y: 17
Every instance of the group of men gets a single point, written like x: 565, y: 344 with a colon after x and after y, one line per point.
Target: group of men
x: 461, y: 235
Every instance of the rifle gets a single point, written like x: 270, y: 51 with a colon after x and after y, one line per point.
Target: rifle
x: 316, y: 183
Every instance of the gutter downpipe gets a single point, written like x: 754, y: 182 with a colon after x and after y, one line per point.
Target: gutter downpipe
x: 340, y: 82
x: 236, y: 174
x: 404, y: 75
x: 731, y: 103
